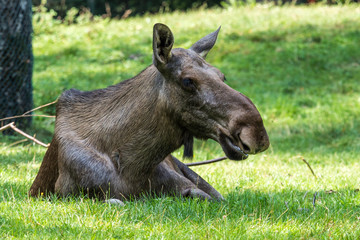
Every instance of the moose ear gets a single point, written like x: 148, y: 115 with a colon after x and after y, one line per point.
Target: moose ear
x: 204, y: 45
x: 163, y: 41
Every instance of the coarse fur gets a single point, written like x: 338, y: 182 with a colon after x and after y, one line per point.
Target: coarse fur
x: 117, y: 142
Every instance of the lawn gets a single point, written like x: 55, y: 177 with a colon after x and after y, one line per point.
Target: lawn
x: 301, y: 68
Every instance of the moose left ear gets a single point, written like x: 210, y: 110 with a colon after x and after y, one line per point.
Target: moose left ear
x: 204, y: 45
x: 163, y: 41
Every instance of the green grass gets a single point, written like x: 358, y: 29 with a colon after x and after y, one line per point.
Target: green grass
x: 299, y: 65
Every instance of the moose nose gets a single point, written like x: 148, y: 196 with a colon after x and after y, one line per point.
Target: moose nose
x: 246, y: 148
x: 252, y: 141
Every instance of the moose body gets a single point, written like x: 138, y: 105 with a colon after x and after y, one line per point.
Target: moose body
x: 117, y: 142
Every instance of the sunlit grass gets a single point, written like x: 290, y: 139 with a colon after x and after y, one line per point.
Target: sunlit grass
x: 299, y: 65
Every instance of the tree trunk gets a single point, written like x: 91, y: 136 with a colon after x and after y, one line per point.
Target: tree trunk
x: 16, y: 60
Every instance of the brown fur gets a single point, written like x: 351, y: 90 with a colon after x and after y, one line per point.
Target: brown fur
x: 116, y: 142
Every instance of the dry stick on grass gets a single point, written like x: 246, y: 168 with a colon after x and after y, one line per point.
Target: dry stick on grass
x: 312, y: 171
x: 12, y: 125
x: 308, y: 166
x: 206, y: 162
x: 17, y: 142
x: 42, y: 106
x: 5, y: 127
x: 23, y: 116
x: 314, y: 199
x: 26, y: 113
x: 304, y: 160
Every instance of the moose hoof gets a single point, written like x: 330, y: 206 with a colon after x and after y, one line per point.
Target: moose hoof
x: 114, y: 201
x: 195, y: 193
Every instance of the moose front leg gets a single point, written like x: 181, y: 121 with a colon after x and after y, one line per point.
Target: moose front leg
x: 83, y: 169
x: 197, y: 180
x: 173, y: 177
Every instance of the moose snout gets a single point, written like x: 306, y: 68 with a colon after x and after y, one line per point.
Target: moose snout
x: 253, y: 140
x: 237, y: 143
x: 245, y: 133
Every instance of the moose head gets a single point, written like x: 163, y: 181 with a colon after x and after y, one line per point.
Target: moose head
x: 203, y: 104
x: 118, y: 141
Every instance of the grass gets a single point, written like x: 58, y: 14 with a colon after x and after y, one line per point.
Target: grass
x: 299, y: 65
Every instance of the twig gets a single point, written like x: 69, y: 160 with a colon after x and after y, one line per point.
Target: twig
x: 126, y: 14
x: 23, y: 116
x: 206, y: 162
x: 17, y: 142
x: 42, y: 106
x: 12, y: 125
x: 305, y: 195
x: 26, y: 113
x: 5, y: 127
x: 308, y: 166
x: 286, y: 204
x: 314, y: 199
x: 304, y: 160
x: 282, y: 214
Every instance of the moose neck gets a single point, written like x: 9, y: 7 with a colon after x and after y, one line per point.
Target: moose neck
x: 138, y: 121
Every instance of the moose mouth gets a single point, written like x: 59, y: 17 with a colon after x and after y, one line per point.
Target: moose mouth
x: 232, y: 151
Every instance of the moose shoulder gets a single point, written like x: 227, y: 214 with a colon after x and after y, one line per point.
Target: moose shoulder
x: 117, y: 142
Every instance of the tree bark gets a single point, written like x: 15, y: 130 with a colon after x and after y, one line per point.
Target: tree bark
x: 16, y: 60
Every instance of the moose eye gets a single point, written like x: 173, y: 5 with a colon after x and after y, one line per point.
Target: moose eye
x: 188, y: 83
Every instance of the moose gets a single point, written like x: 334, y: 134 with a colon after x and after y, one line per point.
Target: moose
x: 116, y: 142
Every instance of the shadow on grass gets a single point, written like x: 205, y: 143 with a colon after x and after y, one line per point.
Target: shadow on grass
x: 17, y: 228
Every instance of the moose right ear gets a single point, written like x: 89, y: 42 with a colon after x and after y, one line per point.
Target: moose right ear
x: 204, y: 45
x: 163, y: 41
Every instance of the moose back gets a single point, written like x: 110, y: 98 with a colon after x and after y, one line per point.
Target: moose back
x: 117, y: 142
